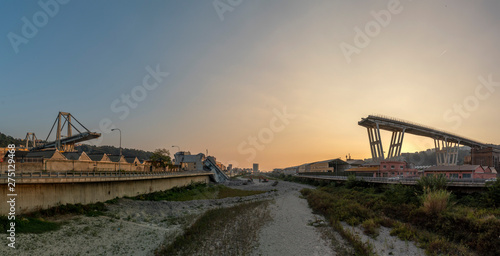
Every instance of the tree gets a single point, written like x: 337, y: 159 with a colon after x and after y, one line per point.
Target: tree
x: 161, y: 158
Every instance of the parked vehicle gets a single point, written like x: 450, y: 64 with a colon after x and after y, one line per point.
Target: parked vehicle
x: 395, y: 178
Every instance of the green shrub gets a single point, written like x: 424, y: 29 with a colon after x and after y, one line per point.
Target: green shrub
x: 401, y: 194
x: 493, y: 194
x: 352, y: 182
x: 435, y: 182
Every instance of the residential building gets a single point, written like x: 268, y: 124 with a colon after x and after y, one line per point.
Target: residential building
x: 190, y: 162
x: 396, y: 168
x: 462, y: 172
x: 386, y: 169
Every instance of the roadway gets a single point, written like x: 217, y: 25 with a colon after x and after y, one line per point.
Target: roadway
x: 80, y: 177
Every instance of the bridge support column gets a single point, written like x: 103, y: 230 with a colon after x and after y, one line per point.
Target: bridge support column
x: 446, y: 151
x: 375, y: 144
x: 396, y: 144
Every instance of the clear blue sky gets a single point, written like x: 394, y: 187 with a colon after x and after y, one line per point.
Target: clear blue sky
x: 228, y: 77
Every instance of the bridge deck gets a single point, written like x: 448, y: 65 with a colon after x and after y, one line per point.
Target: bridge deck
x: 71, y: 140
x: 392, y: 124
x: 81, y: 177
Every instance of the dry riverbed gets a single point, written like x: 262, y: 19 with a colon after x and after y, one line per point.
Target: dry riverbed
x: 132, y: 227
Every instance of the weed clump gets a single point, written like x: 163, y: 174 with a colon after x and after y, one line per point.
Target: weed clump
x: 435, y: 202
x: 370, y: 227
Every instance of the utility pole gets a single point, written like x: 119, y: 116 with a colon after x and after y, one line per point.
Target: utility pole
x: 120, y: 158
x: 178, y: 148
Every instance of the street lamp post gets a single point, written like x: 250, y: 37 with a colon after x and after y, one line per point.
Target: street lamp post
x: 178, y: 148
x: 120, y: 158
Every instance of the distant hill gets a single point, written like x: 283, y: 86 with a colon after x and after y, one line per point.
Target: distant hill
x: 428, y: 157
x: 5, y: 140
x: 111, y: 150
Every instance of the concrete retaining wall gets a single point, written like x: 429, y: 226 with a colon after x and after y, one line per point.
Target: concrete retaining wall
x: 56, y: 165
x: 36, y: 196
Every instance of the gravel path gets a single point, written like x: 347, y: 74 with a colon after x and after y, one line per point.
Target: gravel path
x: 291, y: 232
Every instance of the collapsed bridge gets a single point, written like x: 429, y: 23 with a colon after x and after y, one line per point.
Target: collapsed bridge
x: 446, y: 143
x: 66, y: 142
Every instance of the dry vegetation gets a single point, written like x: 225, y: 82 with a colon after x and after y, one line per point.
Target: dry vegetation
x: 439, y: 221
x: 222, y: 231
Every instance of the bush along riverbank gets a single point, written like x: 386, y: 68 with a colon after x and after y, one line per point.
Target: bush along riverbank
x: 441, y: 222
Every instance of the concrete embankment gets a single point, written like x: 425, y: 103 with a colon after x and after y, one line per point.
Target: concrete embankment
x: 33, y: 194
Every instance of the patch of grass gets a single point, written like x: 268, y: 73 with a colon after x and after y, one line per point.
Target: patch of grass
x: 370, y: 227
x: 35, y: 223
x: 196, y: 191
x: 112, y: 201
x: 220, y: 230
x: 29, y: 225
x: 360, y: 247
x: 351, y: 207
x: 90, y: 210
x: 433, y: 244
x: 225, y: 192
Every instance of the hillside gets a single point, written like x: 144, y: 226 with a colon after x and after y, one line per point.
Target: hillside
x: 111, y: 150
x: 428, y: 157
x: 5, y: 140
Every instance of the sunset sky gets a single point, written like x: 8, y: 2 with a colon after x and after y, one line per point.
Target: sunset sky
x: 211, y: 75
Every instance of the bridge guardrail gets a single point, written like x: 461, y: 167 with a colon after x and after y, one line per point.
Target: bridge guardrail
x: 39, y: 175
